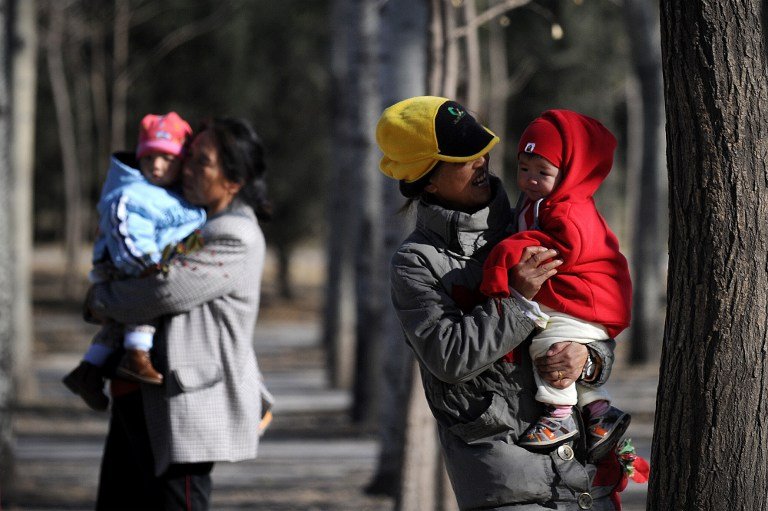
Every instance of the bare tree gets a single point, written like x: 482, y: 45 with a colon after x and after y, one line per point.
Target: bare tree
x: 24, y: 72
x: 648, y: 247
x: 6, y: 251
x: 710, y: 433
x: 54, y: 42
x: 339, y: 313
x: 370, y: 275
x: 404, y: 51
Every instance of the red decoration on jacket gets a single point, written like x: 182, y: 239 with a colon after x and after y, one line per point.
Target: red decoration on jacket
x: 593, y: 283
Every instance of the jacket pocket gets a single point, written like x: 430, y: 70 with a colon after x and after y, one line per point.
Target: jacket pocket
x: 198, y: 377
x: 491, y: 422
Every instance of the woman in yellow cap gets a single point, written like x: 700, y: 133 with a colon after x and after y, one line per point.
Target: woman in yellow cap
x: 472, y: 350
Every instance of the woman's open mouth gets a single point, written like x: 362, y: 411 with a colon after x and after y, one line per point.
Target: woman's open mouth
x: 481, y: 179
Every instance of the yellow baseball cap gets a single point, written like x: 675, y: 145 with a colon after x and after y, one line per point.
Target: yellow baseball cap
x: 416, y: 133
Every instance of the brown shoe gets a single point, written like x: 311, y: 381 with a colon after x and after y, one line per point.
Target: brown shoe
x: 137, y: 366
x: 87, y: 381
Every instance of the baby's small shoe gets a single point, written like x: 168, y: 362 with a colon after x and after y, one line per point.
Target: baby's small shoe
x: 87, y: 381
x: 549, y: 432
x: 604, y: 431
x: 137, y: 366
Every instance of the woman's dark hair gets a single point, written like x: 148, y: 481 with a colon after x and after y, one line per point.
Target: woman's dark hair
x: 415, y: 190
x: 242, y: 160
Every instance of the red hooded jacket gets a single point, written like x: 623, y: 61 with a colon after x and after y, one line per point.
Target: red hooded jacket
x: 593, y: 283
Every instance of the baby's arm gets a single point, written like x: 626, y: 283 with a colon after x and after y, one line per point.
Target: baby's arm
x: 131, y: 237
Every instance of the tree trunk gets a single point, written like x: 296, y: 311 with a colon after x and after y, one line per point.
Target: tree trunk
x: 284, y: 272
x: 497, y: 98
x: 710, y: 435
x: 121, y: 33
x: 339, y: 313
x: 403, y: 75
x: 66, y: 128
x: 436, y: 47
x: 474, y: 74
x: 450, y: 85
x: 7, y: 268
x: 370, y: 273
x: 647, y: 246
x: 424, y: 485
x: 23, y: 110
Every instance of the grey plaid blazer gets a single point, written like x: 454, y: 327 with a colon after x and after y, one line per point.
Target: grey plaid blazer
x: 209, y: 407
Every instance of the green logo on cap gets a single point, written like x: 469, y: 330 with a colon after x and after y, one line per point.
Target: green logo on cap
x: 458, y: 113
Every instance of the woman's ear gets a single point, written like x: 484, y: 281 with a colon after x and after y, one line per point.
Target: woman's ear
x: 233, y: 188
x: 430, y: 188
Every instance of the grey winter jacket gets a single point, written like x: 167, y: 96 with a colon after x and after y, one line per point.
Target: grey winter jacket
x: 481, y: 402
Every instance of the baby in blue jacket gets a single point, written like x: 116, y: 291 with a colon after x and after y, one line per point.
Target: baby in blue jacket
x: 141, y: 212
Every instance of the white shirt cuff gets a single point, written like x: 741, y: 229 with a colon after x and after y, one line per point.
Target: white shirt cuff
x: 531, y: 309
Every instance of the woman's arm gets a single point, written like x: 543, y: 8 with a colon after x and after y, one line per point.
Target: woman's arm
x: 565, y: 362
x: 191, y: 280
x: 453, y: 345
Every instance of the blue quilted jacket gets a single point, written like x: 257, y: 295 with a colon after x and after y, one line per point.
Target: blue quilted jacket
x: 137, y: 219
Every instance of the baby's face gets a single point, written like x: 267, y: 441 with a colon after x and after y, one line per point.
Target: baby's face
x: 160, y: 169
x: 536, y: 176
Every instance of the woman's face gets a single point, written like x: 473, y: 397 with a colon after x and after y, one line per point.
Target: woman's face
x: 205, y: 184
x: 462, y: 186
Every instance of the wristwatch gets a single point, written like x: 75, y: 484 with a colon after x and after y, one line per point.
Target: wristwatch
x: 588, y: 373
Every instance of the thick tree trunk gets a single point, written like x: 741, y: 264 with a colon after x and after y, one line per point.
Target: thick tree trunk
x: 6, y: 253
x: 23, y: 111
x: 339, y: 313
x: 66, y: 128
x: 647, y: 246
x: 710, y: 434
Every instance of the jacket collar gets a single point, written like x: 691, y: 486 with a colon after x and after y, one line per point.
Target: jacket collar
x: 465, y: 233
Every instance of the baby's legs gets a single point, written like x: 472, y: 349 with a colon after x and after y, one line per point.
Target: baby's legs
x: 558, y: 424
x: 136, y: 365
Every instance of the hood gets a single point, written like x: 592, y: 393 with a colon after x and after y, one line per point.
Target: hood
x: 588, y: 149
x: 123, y: 170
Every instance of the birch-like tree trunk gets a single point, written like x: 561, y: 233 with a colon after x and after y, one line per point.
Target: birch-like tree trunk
x: 404, y: 45
x: 474, y: 74
x: 23, y: 90
x: 648, y: 250
x: 121, y: 79
x: 710, y: 434
x: 66, y: 127
x: 7, y: 267
x: 371, y: 288
x: 339, y: 312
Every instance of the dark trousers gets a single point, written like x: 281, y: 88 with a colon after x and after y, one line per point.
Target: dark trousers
x: 127, y: 480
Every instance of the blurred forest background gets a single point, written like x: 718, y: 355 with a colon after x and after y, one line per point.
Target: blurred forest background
x: 313, y: 76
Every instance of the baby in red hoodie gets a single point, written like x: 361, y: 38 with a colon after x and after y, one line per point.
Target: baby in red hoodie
x: 563, y: 157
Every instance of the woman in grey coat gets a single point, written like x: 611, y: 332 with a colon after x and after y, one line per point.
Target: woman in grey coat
x: 472, y: 350
x: 163, y: 441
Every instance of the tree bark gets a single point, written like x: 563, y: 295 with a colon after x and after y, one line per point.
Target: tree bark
x: 23, y: 111
x: 474, y: 74
x: 339, y: 313
x: 7, y: 267
x: 647, y: 246
x: 66, y: 129
x: 121, y: 79
x: 370, y: 273
x: 403, y: 74
x: 710, y: 436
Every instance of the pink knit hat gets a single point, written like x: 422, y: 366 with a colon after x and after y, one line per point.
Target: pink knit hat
x: 163, y: 134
